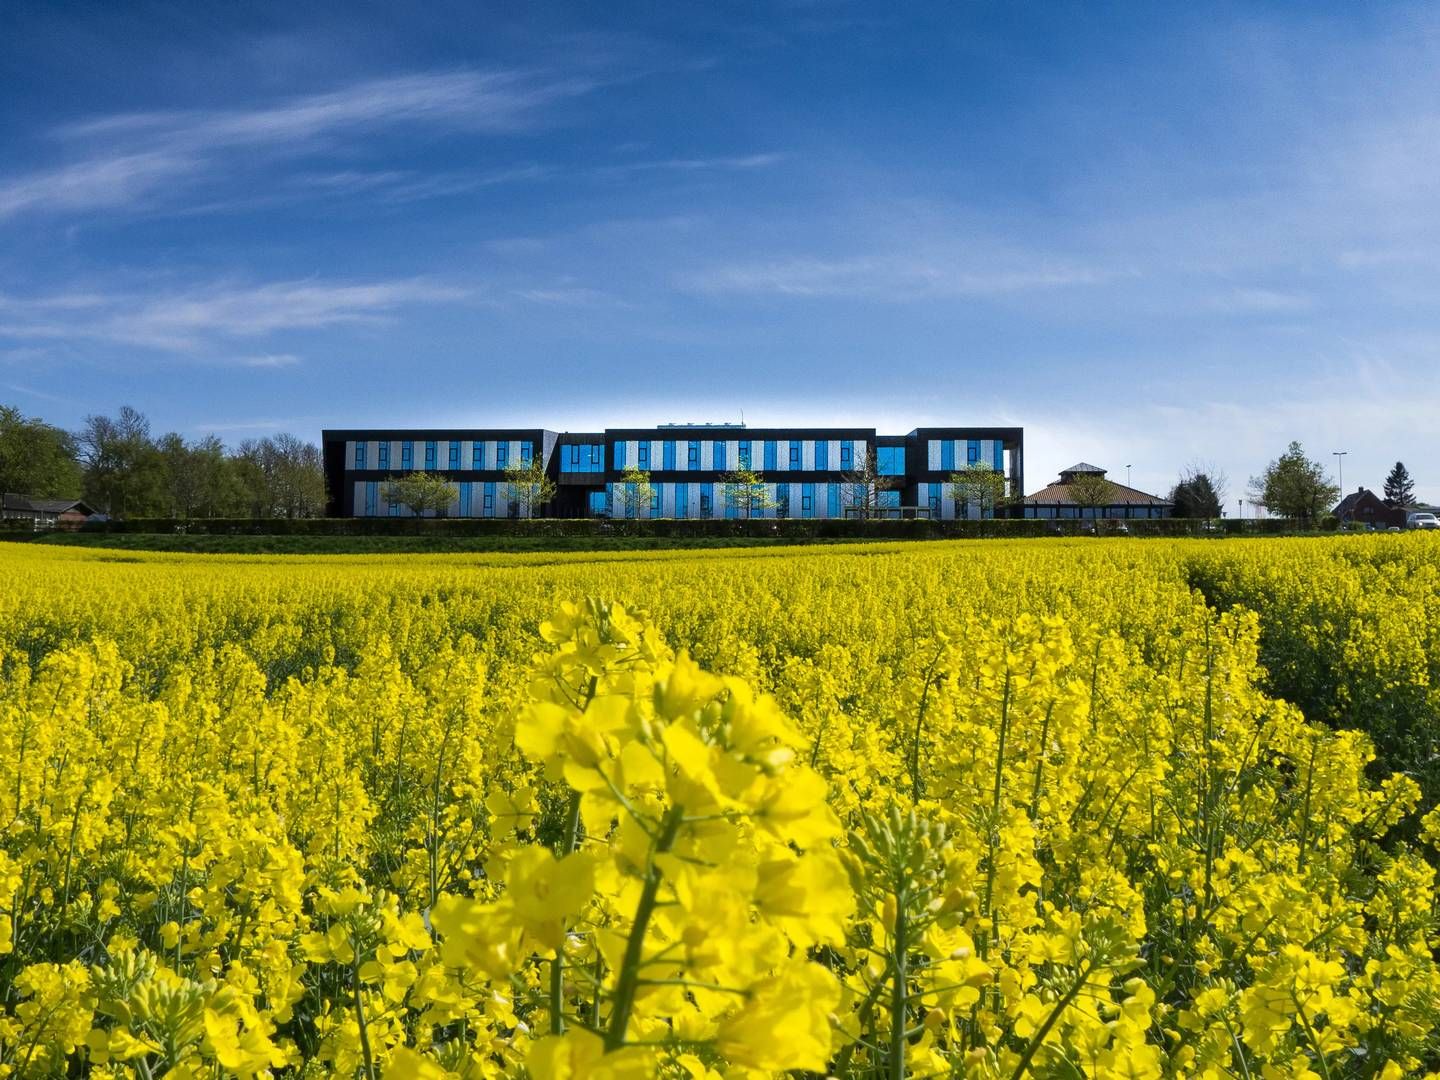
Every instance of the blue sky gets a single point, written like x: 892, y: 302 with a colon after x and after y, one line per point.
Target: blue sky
x: 1150, y: 233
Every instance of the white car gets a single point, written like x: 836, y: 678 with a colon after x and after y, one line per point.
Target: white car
x: 1420, y: 520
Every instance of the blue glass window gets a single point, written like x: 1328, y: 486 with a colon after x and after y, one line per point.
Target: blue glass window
x: 847, y: 454
x: 654, y: 501
x: 477, y: 456
x: 807, y: 500
x: 887, y: 498
x: 719, y: 458
x: 407, y: 455
x: 619, y: 455
x: 384, y: 455
x: 682, y: 500
x: 692, y: 456
x: 394, y: 509
x: 359, y: 455
x: 999, y: 456
x: 772, y: 455
x: 454, y: 454
x: 707, y: 494
x: 794, y: 453
x: 972, y: 452
x: 935, y: 489
x: 832, y: 500
x: 947, y: 454
x: 822, y: 454
x: 527, y: 451
x: 642, y: 455
x: 582, y: 457
x: 599, y: 502
x: 782, y: 500
x: 744, y: 453
x: 489, y: 503
x: 667, y: 454
x: 371, y: 496
x: 890, y: 460
x: 502, y: 454
x: 466, y: 493
x: 430, y: 454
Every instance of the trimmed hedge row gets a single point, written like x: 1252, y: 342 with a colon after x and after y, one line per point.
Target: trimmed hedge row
x: 687, y: 528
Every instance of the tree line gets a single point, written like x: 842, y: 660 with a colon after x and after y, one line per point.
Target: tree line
x: 120, y: 468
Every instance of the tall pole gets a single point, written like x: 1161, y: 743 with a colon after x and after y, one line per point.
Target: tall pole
x: 1339, y: 456
x: 1127, y: 475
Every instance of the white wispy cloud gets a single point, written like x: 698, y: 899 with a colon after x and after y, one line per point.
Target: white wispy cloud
x: 739, y: 163
x: 888, y: 277
x: 125, y: 159
x: 266, y: 360
x: 192, y: 319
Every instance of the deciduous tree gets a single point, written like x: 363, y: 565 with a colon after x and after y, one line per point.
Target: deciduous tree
x: 863, y: 486
x: 747, y: 493
x: 527, y: 486
x: 35, y: 458
x: 979, y: 486
x: 1293, y: 486
x: 634, y: 492
x: 422, y: 492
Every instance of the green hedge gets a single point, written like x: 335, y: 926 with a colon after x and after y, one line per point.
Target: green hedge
x: 678, y: 528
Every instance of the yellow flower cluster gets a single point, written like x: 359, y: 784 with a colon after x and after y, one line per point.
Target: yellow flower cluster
x: 982, y: 810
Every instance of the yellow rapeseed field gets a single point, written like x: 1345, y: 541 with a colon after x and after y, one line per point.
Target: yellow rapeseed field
x: 993, y: 809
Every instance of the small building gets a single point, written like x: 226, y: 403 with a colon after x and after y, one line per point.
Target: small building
x: 44, y: 513
x: 1364, y: 507
x: 1083, y: 492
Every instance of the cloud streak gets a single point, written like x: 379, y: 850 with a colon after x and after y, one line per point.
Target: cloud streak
x: 888, y: 277
x: 186, y: 321
x: 128, y: 158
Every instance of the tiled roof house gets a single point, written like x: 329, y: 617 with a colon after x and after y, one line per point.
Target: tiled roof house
x: 1058, y: 500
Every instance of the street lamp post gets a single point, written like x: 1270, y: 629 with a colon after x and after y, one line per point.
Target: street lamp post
x: 1242, y: 509
x: 1127, y: 475
x: 1339, y: 456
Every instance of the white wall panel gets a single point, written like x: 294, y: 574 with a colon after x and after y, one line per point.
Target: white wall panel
x: 933, y: 455
x: 807, y: 455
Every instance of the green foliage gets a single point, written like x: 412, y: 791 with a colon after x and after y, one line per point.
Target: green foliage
x: 1293, y: 486
x: 1399, y: 488
x: 422, y: 492
x: 35, y: 458
x: 1197, y: 496
x: 528, y: 486
x: 634, y: 492
x: 1091, y: 491
x: 978, y: 486
x: 747, y: 493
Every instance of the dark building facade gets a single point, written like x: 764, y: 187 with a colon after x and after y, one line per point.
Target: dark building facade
x: 805, y: 472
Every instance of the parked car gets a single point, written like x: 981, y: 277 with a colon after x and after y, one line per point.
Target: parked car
x: 1422, y: 520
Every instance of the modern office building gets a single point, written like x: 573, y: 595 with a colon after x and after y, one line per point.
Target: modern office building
x: 801, y: 472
